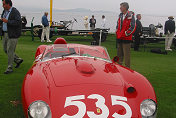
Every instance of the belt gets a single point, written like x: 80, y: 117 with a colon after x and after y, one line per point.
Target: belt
x: 5, y: 31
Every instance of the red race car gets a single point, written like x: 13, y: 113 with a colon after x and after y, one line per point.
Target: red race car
x: 80, y: 81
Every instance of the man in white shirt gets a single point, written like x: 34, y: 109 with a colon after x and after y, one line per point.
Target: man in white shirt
x: 103, y: 22
x: 124, y: 15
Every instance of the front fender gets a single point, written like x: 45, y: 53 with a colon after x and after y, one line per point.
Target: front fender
x: 40, y: 50
x: 35, y: 87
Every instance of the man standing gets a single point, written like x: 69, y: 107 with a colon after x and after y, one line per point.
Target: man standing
x: 11, y: 19
x: 46, y: 28
x: 125, y: 28
x: 169, y: 32
x: 138, y: 32
x: 103, y: 22
x: 86, y: 23
x: 92, y: 22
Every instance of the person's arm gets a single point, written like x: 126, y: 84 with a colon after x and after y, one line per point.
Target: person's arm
x: 117, y: 24
x: 90, y: 21
x: 17, y: 19
x: 137, y: 28
x: 2, y: 14
x: 132, y: 26
x: 174, y: 26
x: 45, y: 21
x: 86, y: 22
x: 138, y: 31
x: 1, y: 18
x: 25, y: 21
x: 104, y: 23
x: 165, y: 28
x: 140, y: 28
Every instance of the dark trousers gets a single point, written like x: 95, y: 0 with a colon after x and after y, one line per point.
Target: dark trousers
x: 136, y: 43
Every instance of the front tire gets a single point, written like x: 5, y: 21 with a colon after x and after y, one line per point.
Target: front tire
x: 37, y: 30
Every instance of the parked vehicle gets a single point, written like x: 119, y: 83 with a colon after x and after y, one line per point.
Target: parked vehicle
x: 80, y: 81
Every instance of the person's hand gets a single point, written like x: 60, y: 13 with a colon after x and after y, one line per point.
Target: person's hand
x: 4, y: 20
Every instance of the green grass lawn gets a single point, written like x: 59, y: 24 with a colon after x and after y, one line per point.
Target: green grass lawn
x: 159, y: 69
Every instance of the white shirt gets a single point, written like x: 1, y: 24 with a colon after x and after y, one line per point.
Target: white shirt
x: 103, y: 25
x: 86, y: 22
x: 124, y: 15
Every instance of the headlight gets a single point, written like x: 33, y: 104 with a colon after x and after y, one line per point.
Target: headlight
x: 39, y: 109
x: 148, y: 108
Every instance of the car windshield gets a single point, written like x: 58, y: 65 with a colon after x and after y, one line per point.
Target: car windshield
x: 74, y: 50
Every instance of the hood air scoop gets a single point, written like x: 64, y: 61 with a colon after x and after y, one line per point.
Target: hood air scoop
x: 85, y: 67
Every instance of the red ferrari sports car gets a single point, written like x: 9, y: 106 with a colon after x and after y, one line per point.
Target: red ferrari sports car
x: 80, y: 81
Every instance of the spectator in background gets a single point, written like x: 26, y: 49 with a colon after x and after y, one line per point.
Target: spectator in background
x: 103, y: 22
x: 92, y: 22
x: 11, y: 28
x: 24, y: 23
x: 138, y: 32
x: 125, y: 29
x: 86, y: 23
x: 169, y: 32
x: 46, y: 28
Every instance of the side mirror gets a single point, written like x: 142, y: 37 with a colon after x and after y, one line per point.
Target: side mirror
x: 115, y: 59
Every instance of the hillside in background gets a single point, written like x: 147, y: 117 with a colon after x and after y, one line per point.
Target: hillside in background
x: 29, y: 9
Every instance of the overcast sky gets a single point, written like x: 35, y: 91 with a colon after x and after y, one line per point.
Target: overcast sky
x: 155, y: 7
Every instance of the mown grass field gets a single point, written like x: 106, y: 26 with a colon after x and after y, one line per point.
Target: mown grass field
x: 159, y: 69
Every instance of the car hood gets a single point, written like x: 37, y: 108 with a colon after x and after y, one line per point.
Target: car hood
x: 82, y: 70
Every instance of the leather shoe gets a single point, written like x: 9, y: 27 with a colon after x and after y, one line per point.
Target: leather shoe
x: 8, y: 71
x: 19, y: 63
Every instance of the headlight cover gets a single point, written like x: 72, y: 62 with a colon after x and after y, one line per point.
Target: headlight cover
x: 39, y: 109
x: 148, y: 108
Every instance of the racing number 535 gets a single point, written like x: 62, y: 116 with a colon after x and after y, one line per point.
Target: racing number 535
x: 116, y: 100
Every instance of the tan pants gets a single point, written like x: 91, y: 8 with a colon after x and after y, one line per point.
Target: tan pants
x: 86, y: 26
x: 123, y: 51
x: 169, y: 40
x: 9, y: 46
x: 45, y: 32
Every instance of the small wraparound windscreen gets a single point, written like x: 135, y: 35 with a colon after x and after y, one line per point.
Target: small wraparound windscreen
x: 74, y: 50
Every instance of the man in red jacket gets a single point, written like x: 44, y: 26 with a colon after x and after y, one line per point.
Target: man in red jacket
x: 125, y: 28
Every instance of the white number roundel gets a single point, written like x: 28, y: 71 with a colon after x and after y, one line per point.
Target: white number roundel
x: 116, y: 100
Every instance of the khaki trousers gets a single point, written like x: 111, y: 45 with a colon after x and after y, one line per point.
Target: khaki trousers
x: 86, y: 26
x: 45, y: 32
x: 123, y: 52
x: 9, y: 46
x: 169, y: 40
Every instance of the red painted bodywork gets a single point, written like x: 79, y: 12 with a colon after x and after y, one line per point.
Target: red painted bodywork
x: 60, y: 41
x: 54, y: 80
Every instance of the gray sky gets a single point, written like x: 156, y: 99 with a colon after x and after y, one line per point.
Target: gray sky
x: 155, y: 7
